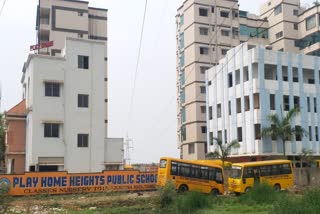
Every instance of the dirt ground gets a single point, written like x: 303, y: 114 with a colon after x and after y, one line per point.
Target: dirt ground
x: 72, y: 203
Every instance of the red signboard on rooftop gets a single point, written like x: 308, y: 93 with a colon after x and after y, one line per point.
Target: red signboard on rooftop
x: 41, y: 45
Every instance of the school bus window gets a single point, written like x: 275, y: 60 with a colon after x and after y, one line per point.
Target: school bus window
x: 184, y: 171
x: 174, y: 168
x: 264, y: 171
x: 212, y: 174
x: 219, y: 177
x: 275, y: 170
x: 195, y: 172
x: 249, y: 172
x: 204, y: 172
x: 163, y: 163
x: 235, y: 172
x: 285, y: 169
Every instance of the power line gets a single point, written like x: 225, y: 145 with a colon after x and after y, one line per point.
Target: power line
x: 214, y: 76
x: 4, y: 2
x: 193, y: 68
x: 137, y: 67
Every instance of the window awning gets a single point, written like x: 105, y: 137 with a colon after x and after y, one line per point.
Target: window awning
x: 53, y: 121
x: 51, y: 161
x: 53, y: 81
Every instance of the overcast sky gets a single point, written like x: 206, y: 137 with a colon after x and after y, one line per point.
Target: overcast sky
x: 153, y: 124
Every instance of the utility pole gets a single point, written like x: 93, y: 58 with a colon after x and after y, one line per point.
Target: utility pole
x: 127, y: 146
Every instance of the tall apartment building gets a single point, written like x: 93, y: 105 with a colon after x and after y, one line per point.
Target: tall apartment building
x: 65, y: 87
x: 207, y: 29
x: 59, y: 19
x: 255, y: 83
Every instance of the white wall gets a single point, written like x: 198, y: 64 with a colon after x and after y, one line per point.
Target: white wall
x: 219, y: 92
x: 113, y: 151
x: 64, y: 109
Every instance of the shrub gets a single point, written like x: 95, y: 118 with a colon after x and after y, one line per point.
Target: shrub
x: 308, y: 203
x: 261, y: 193
x: 5, y: 199
x: 166, y: 194
x: 191, y: 201
x: 289, y: 205
x: 312, y: 200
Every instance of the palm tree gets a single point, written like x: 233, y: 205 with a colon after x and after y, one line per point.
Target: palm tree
x: 281, y: 128
x: 224, y: 150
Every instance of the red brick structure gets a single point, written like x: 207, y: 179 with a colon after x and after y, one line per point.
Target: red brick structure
x: 16, y: 138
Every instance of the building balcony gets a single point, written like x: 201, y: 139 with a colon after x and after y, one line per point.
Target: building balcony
x: 311, y: 49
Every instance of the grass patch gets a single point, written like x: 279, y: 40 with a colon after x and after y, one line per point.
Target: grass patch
x: 166, y: 195
x: 231, y: 205
x: 308, y: 203
x: 192, y: 201
x: 261, y: 194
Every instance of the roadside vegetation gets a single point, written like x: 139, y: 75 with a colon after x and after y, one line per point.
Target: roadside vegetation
x: 261, y: 199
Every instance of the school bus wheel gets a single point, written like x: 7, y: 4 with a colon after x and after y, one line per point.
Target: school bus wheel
x: 183, y: 188
x: 277, y: 187
x: 214, y: 192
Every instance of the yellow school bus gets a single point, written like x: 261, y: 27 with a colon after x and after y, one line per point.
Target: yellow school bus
x: 227, y: 164
x: 191, y: 175
x: 277, y: 173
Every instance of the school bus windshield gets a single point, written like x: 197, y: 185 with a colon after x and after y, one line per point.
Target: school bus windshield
x: 163, y: 163
x: 236, y: 172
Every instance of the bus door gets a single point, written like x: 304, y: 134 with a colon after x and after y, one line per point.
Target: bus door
x: 248, y: 177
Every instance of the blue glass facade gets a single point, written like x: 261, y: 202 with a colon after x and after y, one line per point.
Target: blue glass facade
x: 183, y: 114
x: 182, y: 96
x: 253, y: 32
x: 181, y: 40
x: 182, y: 78
x: 182, y: 59
x: 308, y: 41
x: 181, y: 20
x: 243, y: 13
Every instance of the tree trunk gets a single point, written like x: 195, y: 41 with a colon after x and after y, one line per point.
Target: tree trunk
x: 284, y: 148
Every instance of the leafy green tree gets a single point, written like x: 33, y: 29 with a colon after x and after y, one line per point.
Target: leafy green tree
x: 2, y: 137
x: 281, y: 128
x: 223, y: 151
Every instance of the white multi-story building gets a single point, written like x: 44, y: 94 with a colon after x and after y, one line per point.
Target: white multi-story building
x: 65, y: 87
x: 251, y: 82
x: 64, y: 99
x: 59, y: 19
x: 207, y: 29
